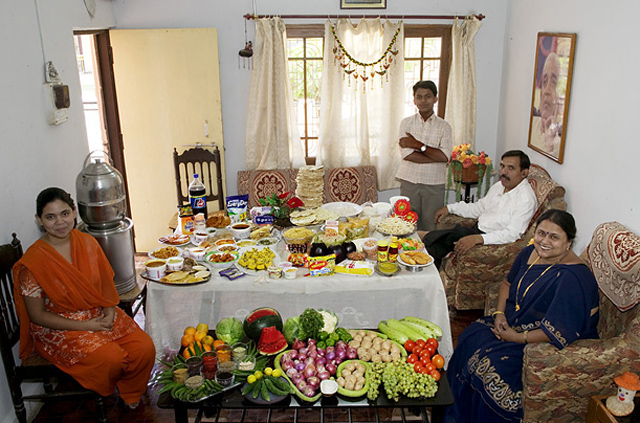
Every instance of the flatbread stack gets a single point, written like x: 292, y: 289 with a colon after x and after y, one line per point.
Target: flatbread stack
x: 312, y: 216
x: 218, y: 220
x: 310, y: 187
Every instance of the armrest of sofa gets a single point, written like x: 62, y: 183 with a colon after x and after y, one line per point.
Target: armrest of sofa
x: 451, y: 220
x: 584, y: 368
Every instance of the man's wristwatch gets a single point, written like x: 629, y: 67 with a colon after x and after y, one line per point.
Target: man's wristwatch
x: 423, y: 148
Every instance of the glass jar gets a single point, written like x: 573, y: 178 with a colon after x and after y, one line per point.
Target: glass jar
x: 383, y: 250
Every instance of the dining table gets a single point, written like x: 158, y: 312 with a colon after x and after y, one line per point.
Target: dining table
x: 359, y: 301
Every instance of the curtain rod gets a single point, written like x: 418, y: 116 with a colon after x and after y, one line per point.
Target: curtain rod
x: 451, y: 17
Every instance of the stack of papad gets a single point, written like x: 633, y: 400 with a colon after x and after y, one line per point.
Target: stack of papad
x: 310, y: 187
x: 218, y: 220
x: 312, y: 216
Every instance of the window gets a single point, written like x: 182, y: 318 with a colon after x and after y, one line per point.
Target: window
x: 427, y: 55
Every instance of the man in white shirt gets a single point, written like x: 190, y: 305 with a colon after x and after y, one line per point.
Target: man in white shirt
x: 503, y: 214
x: 426, y: 144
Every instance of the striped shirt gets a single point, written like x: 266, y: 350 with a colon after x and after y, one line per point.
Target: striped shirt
x: 434, y: 132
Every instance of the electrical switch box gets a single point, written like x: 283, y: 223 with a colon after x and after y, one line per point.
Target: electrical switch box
x: 58, y: 101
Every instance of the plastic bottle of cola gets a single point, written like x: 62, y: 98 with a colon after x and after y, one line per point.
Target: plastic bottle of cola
x: 198, y: 196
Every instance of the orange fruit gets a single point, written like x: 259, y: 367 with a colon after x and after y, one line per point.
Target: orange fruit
x: 188, y: 352
x: 202, y: 327
x: 199, y: 336
x: 187, y: 340
x: 190, y: 330
x: 217, y: 343
x: 206, y: 347
x: 208, y: 340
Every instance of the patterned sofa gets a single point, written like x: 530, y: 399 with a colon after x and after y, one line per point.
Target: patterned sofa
x: 353, y: 184
x: 557, y: 384
x: 466, y: 277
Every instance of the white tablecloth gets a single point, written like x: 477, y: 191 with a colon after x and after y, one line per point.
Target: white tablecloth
x: 359, y: 302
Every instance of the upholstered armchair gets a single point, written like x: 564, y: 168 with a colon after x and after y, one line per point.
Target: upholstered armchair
x: 466, y: 277
x: 557, y: 384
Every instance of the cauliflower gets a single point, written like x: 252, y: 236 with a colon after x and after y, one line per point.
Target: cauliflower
x: 330, y: 320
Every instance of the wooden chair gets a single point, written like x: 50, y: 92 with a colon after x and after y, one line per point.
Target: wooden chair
x: 205, y: 163
x: 35, y: 369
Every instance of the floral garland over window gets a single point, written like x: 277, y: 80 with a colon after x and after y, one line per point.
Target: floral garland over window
x: 361, y: 70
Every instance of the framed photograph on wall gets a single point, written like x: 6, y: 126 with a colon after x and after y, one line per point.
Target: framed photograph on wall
x: 363, y: 4
x: 551, y: 91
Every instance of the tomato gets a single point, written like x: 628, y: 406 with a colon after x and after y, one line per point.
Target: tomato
x: 425, y: 360
x: 430, y: 367
x: 409, y: 345
x: 416, y: 350
x: 423, y: 371
x: 421, y: 343
x: 438, y: 360
x: 435, y: 374
x: 425, y: 353
x: 433, y: 341
x: 431, y: 349
x: 412, y: 358
x: 418, y: 367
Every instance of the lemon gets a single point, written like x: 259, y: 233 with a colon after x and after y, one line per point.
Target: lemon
x: 268, y: 371
x: 276, y: 373
x: 251, y: 379
x: 258, y: 374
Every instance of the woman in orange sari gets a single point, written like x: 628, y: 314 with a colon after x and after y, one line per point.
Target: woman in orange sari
x: 66, y: 301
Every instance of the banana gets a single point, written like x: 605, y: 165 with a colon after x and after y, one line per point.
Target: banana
x: 395, y: 335
x: 429, y: 325
x: 401, y: 327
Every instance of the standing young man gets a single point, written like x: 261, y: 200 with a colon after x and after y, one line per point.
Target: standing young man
x: 426, y: 145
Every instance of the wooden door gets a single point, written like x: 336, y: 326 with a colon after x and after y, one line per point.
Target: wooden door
x: 168, y: 85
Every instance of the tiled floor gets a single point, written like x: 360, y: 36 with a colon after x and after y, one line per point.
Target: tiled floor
x: 148, y: 412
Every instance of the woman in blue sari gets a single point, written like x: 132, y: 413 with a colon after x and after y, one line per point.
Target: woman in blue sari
x: 550, y: 295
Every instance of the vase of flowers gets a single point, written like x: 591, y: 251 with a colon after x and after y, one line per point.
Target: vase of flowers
x: 281, y: 206
x: 469, y: 167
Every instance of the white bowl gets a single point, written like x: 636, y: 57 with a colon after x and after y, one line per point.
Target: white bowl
x: 383, y: 209
x: 197, y: 253
x: 240, y: 230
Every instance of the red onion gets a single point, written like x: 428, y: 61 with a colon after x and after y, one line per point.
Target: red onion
x: 324, y: 375
x: 309, y: 371
x: 298, y: 344
x: 300, y: 366
x: 309, y: 360
x: 321, y: 360
x: 331, y: 368
x: 312, y: 353
x: 330, y: 349
x: 330, y: 355
x: 313, y: 381
x: 293, y: 354
x: 297, y: 377
x: 312, y: 342
x: 301, y: 357
x: 308, y: 391
x: 301, y: 384
x: 287, y: 364
x: 341, y: 354
x: 341, y: 345
x: 352, y: 353
x: 321, y: 352
x: 292, y: 372
x: 319, y: 367
x: 303, y: 350
x: 337, y: 360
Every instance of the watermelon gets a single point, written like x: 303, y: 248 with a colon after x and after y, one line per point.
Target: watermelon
x: 259, y: 319
x: 271, y: 341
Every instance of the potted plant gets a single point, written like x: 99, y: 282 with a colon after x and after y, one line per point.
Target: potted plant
x: 281, y: 206
x: 468, y: 167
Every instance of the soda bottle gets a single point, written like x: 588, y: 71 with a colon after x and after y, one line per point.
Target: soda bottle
x: 198, y: 196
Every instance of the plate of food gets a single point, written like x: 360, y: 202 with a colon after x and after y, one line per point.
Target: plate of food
x: 221, y: 259
x: 174, y: 239
x: 254, y: 260
x: 387, y: 268
x: 182, y: 277
x: 396, y: 226
x: 415, y: 260
x: 343, y: 208
x: 165, y: 252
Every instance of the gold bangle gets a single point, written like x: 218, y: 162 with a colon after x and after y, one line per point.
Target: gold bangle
x: 525, y: 333
x: 495, y: 313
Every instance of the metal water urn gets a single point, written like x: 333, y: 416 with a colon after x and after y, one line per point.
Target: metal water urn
x: 101, y: 197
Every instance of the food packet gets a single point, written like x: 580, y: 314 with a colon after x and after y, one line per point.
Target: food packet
x: 322, y: 265
x: 237, y: 207
x: 231, y: 273
x: 186, y: 225
x: 298, y: 259
x: 351, y: 267
x: 358, y: 228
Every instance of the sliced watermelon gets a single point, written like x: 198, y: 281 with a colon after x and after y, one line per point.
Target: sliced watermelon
x: 272, y: 341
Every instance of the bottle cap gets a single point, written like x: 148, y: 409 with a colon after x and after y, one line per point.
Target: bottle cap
x: 195, y: 175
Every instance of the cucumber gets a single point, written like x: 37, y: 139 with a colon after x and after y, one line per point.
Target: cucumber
x: 401, y: 327
x: 395, y: 335
x: 429, y: 325
x: 281, y: 384
x: 256, y: 389
x: 247, y: 389
x: 423, y: 330
x: 264, y: 392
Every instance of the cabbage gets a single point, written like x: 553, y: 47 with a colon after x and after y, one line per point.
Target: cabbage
x: 292, y: 329
x: 230, y: 330
x: 330, y: 320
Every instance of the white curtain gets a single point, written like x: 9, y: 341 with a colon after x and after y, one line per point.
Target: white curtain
x: 359, y: 119
x: 461, y: 92
x: 272, y: 140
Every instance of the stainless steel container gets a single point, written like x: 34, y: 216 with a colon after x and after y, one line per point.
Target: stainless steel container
x: 100, y: 192
x: 117, y: 244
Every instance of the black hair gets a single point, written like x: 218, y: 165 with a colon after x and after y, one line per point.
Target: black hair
x: 524, y: 159
x: 52, y: 194
x: 429, y: 85
x: 561, y: 218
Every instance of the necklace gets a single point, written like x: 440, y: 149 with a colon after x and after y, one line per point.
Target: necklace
x: 532, y: 283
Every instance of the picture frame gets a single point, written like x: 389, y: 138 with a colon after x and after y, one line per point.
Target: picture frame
x: 552, y: 77
x: 363, y: 4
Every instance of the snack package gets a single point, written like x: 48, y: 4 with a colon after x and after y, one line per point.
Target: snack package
x: 185, y: 217
x: 351, y: 267
x: 358, y: 228
x: 322, y: 265
x: 237, y: 207
x: 331, y: 228
x: 261, y: 212
x: 231, y: 273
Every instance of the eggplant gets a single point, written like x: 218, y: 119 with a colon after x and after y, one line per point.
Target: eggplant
x: 349, y: 247
x: 318, y: 249
x: 339, y: 251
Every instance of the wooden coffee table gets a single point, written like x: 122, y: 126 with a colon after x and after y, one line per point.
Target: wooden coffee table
x: 233, y: 400
x: 598, y: 412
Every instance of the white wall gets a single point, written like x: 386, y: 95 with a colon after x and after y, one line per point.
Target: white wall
x: 33, y: 154
x: 599, y: 167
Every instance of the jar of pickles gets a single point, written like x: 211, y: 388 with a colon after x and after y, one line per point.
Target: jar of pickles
x: 383, y: 250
